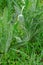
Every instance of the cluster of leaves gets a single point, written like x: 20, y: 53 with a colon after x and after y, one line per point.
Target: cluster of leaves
x: 21, y: 32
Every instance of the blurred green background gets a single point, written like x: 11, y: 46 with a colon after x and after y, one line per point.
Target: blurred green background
x: 21, y: 32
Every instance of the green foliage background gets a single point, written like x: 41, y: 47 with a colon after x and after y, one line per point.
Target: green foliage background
x: 21, y: 32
